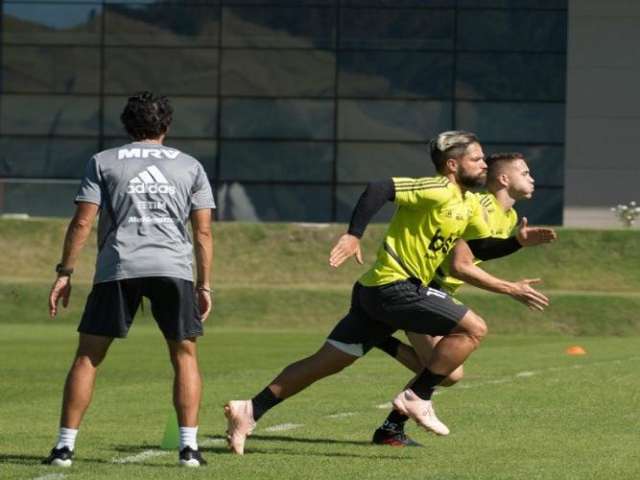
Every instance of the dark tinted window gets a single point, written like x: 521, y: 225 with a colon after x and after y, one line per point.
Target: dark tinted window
x: 51, y: 69
x: 396, y: 29
x: 364, y: 162
x: 513, y: 122
x: 300, y: 119
x: 276, y: 161
x: 189, y: 71
x: 511, y: 76
x: 392, y: 120
x: 257, y: 26
x: 49, y: 115
x: 279, y: 73
x: 162, y: 24
x: 396, y: 74
x: 280, y: 203
x: 56, y: 157
x: 526, y: 30
x: 51, y: 24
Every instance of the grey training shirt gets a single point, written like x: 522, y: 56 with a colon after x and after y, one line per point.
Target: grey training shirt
x: 146, y: 193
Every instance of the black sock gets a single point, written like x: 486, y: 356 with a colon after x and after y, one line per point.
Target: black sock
x: 395, y: 421
x: 390, y: 345
x: 263, y: 402
x: 425, y: 384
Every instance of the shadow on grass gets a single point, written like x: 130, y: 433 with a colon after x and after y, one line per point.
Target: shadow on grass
x: 296, y: 440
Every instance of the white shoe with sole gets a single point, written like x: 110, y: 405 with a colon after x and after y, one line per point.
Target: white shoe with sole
x: 240, y: 424
x: 409, y: 404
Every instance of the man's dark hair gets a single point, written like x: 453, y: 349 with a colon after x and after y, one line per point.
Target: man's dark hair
x: 451, y: 144
x: 146, y: 116
x: 497, y: 161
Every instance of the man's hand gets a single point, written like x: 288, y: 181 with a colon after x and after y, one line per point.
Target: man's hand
x: 523, y: 292
x: 531, y: 236
x: 347, y: 246
x: 61, y: 289
x: 205, y: 302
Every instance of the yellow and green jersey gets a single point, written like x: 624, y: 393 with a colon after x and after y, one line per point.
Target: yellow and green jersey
x: 431, y: 214
x: 500, y: 223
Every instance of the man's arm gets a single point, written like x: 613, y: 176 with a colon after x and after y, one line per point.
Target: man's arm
x: 203, y: 248
x: 463, y: 268
x: 371, y: 201
x: 77, y: 233
x: 491, y: 248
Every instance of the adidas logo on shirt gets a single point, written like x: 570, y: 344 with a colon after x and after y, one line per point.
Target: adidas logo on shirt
x: 150, y: 180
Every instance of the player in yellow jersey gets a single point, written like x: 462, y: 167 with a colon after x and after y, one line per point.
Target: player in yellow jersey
x: 508, y: 180
x: 432, y: 213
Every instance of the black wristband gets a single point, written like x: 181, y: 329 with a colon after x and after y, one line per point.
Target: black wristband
x: 490, y: 248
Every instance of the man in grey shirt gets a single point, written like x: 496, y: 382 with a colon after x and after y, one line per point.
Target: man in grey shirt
x: 145, y: 193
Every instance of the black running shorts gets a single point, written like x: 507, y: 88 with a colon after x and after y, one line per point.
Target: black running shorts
x: 111, y: 307
x: 377, y: 312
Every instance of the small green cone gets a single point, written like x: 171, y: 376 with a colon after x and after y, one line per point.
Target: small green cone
x: 171, y: 438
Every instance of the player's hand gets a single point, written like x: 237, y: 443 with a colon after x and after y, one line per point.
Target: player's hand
x: 522, y: 291
x: 61, y: 289
x: 205, y: 302
x: 347, y: 246
x: 531, y: 236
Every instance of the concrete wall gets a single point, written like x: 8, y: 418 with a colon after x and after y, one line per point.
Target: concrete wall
x: 602, y: 165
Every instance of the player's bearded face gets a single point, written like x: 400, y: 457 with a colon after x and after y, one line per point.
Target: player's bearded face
x: 472, y: 169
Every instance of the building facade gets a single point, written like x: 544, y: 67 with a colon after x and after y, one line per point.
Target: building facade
x: 291, y: 105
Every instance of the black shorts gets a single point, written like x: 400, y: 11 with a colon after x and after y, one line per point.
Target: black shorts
x: 377, y: 312
x: 111, y: 307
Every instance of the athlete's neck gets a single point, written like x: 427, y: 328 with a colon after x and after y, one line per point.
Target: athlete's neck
x: 452, y: 178
x: 505, y: 201
x: 152, y: 141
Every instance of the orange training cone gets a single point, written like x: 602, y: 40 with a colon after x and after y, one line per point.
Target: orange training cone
x: 575, y: 350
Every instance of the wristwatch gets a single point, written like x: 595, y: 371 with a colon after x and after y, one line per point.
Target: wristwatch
x: 63, y: 272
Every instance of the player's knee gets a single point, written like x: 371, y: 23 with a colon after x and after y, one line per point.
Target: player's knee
x: 454, y: 377
x: 89, y: 359
x: 474, y: 326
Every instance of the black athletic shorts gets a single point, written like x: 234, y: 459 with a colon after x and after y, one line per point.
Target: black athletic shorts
x: 377, y: 312
x: 111, y: 307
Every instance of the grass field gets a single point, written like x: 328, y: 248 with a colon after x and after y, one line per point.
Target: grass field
x: 525, y: 410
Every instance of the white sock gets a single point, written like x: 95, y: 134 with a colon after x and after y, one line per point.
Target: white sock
x: 67, y: 438
x: 188, y: 437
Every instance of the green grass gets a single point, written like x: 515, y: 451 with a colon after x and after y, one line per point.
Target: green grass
x: 291, y: 254
x: 570, y: 418
x: 276, y: 299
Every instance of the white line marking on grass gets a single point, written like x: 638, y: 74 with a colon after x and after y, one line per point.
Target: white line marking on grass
x: 141, y: 456
x: 342, y: 415
x: 50, y: 476
x: 525, y: 374
x: 283, y: 427
x: 210, y: 442
x: 384, y: 406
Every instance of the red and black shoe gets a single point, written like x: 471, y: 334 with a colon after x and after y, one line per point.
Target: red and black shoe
x: 393, y: 438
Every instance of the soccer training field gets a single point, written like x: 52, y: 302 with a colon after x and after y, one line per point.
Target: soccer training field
x: 525, y: 410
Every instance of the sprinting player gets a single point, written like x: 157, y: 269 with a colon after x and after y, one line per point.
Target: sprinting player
x: 146, y: 194
x: 508, y: 181
x: 432, y: 214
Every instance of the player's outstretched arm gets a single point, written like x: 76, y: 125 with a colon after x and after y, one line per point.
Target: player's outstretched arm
x: 464, y: 268
x: 531, y: 236
x: 203, y: 249
x: 371, y: 201
x: 75, y: 238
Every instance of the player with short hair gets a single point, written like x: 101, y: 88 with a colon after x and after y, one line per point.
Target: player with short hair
x: 432, y: 213
x: 508, y: 181
x: 146, y: 194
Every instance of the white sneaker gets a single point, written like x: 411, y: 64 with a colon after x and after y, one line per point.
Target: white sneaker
x: 240, y: 424
x: 409, y: 404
